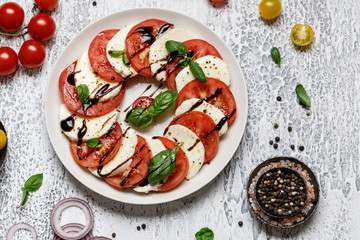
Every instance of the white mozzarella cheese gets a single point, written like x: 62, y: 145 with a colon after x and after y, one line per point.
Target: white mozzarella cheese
x: 96, y: 126
x: 204, y: 107
x: 158, y: 54
x: 117, y: 43
x: 212, y: 66
x: 123, y: 158
x: 193, y: 147
x: 85, y: 75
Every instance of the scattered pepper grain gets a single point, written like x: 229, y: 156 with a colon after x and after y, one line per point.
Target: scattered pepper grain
x: 143, y: 226
x: 138, y: 228
x: 240, y: 223
x: 301, y: 148
x: 113, y: 235
x: 271, y: 142
x: 277, y: 139
x: 289, y: 129
x: 276, y: 125
x: 278, y: 99
x: 275, y: 146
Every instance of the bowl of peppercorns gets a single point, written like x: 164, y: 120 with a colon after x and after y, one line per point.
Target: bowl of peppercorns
x: 281, y: 192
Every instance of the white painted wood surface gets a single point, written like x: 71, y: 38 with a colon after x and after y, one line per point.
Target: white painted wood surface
x: 328, y: 70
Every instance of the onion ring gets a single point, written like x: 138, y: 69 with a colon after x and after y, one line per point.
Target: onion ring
x: 18, y: 226
x: 60, y: 207
x: 74, y: 228
x: 100, y: 238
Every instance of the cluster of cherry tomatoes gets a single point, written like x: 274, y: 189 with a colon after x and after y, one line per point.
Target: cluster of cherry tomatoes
x: 40, y: 28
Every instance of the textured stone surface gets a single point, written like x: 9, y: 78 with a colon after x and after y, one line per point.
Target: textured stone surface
x: 330, y: 134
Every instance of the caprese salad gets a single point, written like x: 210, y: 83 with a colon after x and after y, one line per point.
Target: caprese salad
x: 93, y: 86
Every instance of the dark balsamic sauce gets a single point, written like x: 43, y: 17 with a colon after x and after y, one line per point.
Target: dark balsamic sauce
x: 89, y: 103
x: 192, y: 147
x: 172, y: 58
x: 71, y: 78
x: 68, y: 123
x: 221, y: 123
x: 157, y: 89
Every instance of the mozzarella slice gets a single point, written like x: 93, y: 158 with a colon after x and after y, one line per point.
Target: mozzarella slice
x: 204, y: 107
x: 96, y: 127
x: 158, y: 54
x: 193, y: 147
x: 156, y: 147
x: 85, y: 75
x: 212, y: 66
x: 117, y: 43
x: 122, y: 159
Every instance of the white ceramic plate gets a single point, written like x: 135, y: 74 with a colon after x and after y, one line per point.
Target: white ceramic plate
x: 228, y: 143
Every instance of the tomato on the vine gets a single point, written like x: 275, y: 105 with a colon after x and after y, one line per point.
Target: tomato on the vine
x: 46, y: 5
x: 11, y: 16
x: 32, y: 54
x: 41, y: 27
x: 8, y: 61
x: 270, y: 9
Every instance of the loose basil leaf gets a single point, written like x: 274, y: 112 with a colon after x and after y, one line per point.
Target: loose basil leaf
x: 24, y: 197
x: 172, y: 46
x: 204, y: 234
x: 84, y: 93
x: 94, y: 143
x: 197, y: 71
x: 163, y: 101
x: 114, y: 53
x: 34, y: 183
x: 162, y: 164
x: 126, y: 60
x: 139, y: 117
x: 302, y: 95
x: 275, y: 54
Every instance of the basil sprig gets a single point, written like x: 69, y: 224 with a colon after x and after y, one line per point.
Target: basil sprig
x: 141, y: 117
x: 181, y: 49
x: 84, y: 93
x: 162, y: 164
x: 275, y: 54
x: 121, y: 54
x: 31, y: 185
x: 94, y: 143
x: 204, y: 234
x: 302, y: 95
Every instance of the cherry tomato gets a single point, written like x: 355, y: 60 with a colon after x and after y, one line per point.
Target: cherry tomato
x: 302, y: 35
x: 11, y: 16
x: 32, y: 54
x: 46, y: 5
x: 41, y: 27
x: 270, y: 9
x: 8, y: 61
x: 2, y: 139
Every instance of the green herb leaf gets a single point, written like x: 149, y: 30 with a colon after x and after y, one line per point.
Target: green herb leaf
x: 302, y: 95
x: 275, y: 54
x: 114, y: 53
x: 140, y: 117
x: 34, y: 183
x: 162, y: 164
x: 163, y: 101
x: 24, y: 197
x: 172, y: 46
x: 197, y: 71
x: 84, y: 93
x: 204, y: 234
x: 94, y: 143
x: 185, y: 62
x: 126, y: 60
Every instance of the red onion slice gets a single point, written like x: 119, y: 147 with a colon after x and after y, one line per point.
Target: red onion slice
x: 60, y: 207
x: 18, y: 226
x: 100, y: 238
x: 74, y: 228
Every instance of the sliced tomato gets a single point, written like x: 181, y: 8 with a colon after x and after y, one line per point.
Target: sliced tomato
x: 143, y: 102
x: 138, y: 43
x: 98, y: 56
x: 94, y: 157
x: 214, y: 92
x: 180, y: 170
x: 137, y: 171
x: 199, y: 48
x: 204, y: 127
x: 71, y: 99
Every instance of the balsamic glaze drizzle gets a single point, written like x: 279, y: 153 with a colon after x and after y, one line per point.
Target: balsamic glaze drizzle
x: 68, y: 123
x: 192, y: 147
x: 71, y: 78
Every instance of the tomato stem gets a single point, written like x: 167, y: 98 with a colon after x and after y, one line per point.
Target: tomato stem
x: 17, y: 34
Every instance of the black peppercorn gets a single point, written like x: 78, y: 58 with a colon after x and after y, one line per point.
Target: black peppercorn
x: 278, y: 98
x: 289, y: 129
x: 301, y: 148
x: 277, y: 139
x: 271, y: 142
x: 292, y: 146
x: 276, y: 145
x: 240, y: 223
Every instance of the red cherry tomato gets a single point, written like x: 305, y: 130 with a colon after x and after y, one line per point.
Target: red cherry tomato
x: 143, y: 102
x: 32, y: 54
x: 8, y: 61
x: 46, y: 5
x: 11, y: 16
x: 41, y: 27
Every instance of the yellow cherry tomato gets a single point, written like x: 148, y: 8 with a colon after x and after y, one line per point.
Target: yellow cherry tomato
x: 270, y: 9
x: 302, y: 35
x: 2, y: 139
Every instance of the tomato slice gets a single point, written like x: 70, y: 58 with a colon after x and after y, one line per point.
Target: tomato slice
x: 214, y: 92
x: 69, y: 94
x: 94, y: 157
x: 137, y: 171
x: 181, y: 168
x: 204, y: 127
x: 199, y: 48
x: 98, y: 57
x: 138, y: 43
x: 143, y: 102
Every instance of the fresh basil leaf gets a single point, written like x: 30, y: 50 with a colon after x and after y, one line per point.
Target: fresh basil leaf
x: 34, y: 183
x: 126, y: 60
x: 302, y: 95
x: 162, y: 164
x: 197, y: 71
x: 84, y: 93
x: 94, y: 143
x: 185, y: 62
x: 25, y: 195
x: 275, y: 54
x: 114, y: 53
x: 204, y: 234
x: 163, y: 101
x: 139, y: 117
x: 172, y: 46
